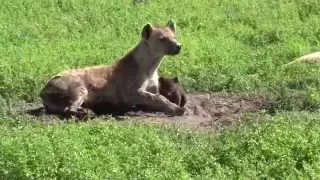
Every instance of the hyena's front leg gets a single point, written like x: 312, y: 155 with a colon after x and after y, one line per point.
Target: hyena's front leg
x: 77, y: 98
x: 156, y: 102
x: 153, y: 89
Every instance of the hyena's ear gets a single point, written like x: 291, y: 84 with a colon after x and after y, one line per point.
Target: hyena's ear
x: 176, y: 80
x: 171, y: 25
x: 146, y: 32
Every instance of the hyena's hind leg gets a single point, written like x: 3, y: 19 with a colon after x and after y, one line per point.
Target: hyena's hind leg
x: 54, y: 96
x: 54, y: 104
x: 78, y: 95
x: 65, y: 106
x: 64, y: 97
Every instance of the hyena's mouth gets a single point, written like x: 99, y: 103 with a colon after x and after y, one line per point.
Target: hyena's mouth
x: 175, y: 49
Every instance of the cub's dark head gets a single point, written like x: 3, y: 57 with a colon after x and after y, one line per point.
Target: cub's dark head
x: 169, y: 88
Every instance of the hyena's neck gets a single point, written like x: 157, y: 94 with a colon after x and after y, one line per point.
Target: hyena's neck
x: 146, y: 61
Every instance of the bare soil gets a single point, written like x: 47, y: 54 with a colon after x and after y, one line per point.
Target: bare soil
x: 203, y: 111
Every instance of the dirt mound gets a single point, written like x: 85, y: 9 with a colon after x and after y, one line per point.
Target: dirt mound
x: 206, y: 111
x: 203, y: 111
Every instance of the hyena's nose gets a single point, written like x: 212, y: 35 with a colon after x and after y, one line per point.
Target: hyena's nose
x: 174, y: 48
x: 178, y: 48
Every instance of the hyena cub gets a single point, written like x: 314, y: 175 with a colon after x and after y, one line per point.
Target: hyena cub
x: 172, y: 90
x: 131, y: 80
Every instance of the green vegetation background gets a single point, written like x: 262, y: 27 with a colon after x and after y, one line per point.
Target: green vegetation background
x: 234, y: 46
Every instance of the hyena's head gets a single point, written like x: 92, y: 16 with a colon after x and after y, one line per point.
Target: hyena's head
x: 161, y: 40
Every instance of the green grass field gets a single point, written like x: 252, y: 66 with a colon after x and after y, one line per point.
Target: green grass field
x: 232, y: 46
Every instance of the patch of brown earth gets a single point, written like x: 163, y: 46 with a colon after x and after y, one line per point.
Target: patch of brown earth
x: 203, y: 111
x: 207, y: 111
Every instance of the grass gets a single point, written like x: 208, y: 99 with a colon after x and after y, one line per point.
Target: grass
x: 279, y: 147
x: 234, y: 46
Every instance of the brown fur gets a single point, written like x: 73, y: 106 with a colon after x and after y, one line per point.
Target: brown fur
x: 131, y: 80
x: 172, y: 90
x: 168, y: 87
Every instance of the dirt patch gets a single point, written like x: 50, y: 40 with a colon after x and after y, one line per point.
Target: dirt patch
x: 204, y: 111
x: 207, y: 111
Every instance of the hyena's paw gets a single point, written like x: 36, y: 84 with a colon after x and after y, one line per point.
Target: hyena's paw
x: 177, y: 111
x: 78, y: 113
x: 180, y: 111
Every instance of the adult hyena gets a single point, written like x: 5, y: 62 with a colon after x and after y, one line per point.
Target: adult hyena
x: 130, y: 80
